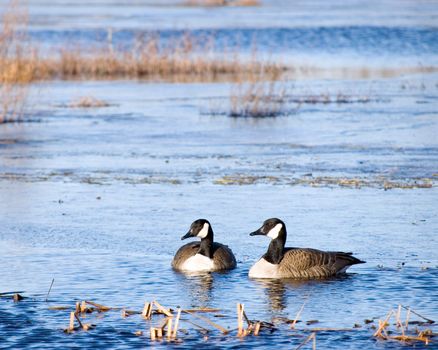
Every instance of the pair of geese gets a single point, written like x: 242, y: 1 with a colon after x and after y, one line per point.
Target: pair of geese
x: 277, y: 262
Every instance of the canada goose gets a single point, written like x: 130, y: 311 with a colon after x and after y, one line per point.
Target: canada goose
x: 300, y: 263
x: 205, y: 255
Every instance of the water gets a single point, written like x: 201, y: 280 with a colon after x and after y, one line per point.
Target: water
x: 98, y: 198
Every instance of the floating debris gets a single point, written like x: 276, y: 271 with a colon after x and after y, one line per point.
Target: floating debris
x: 87, y: 102
x: 164, y: 323
x: 17, y: 297
x: 385, y: 333
x: 309, y: 338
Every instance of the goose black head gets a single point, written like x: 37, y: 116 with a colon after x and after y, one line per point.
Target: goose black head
x: 200, y: 228
x: 271, y: 228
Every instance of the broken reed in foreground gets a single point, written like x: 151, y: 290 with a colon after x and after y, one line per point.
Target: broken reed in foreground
x: 164, y: 323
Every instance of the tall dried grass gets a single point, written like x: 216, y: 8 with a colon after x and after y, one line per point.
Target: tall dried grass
x: 258, y: 99
x: 185, y: 58
x: 17, y: 63
x: 262, y: 95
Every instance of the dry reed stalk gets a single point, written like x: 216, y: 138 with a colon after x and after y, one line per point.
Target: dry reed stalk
x: 50, y: 288
x: 397, y: 317
x: 246, y: 318
x: 16, y: 72
x: 240, y: 330
x: 169, y: 328
x: 219, y: 327
x: 175, y: 330
x: 408, y: 314
x: 147, y: 311
x: 100, y: 307
x: 162, y: 309
x: 383, y: 325
x: 84, y: 308
x: 399, y: 323
x: 257, y: 328
x: 204, y: 309
x: 159, y: 332
x: 309, y: 338
x: 153, y: 333
x: 407, y: 338
x: 205, y: 330
x: 428, y: 320
x: 79, y: 320
x: 71, y: 325
x: 298, y: 314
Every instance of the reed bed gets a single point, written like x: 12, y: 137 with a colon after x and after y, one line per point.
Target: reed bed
x: 17, y: 63
x: 87, y: 102
x: 258, y: 98
x: 402, y: 329
x: 181, y: 59
x: 172, y: 325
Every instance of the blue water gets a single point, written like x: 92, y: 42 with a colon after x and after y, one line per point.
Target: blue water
x: 98, y: 198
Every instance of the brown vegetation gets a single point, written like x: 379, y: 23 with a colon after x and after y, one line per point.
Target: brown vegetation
x: 164, y: 323
x: 406, y: 334
x: 258, y: 98
x: 17, y: 64
x: 182, y: 59
x: 88, y: 102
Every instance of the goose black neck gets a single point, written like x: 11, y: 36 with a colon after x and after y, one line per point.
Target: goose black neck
x: 206, y: 246
x: 276, y: 250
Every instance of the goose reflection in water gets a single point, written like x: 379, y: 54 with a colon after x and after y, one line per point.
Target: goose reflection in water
x: 277, y: 291
x: 199, y: 287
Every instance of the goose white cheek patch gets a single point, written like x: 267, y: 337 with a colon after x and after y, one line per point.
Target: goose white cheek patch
x: 273, y: 232
x: 204, y: 232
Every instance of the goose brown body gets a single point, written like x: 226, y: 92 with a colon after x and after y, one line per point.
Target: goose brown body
x: 297, y: 263
x: 307, y: 263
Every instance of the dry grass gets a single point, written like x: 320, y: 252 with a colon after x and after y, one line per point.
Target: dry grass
x: 88, y: 102
x: 183, y: 58
x: 258, y: 99
x: 164, y: 323
x: 406, y: 335
x: 17, y: 62
x: 261, y: 95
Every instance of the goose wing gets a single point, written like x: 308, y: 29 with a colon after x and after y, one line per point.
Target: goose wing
x: 313, y: 263
x: 184, y: 252
x: 223, y: 257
